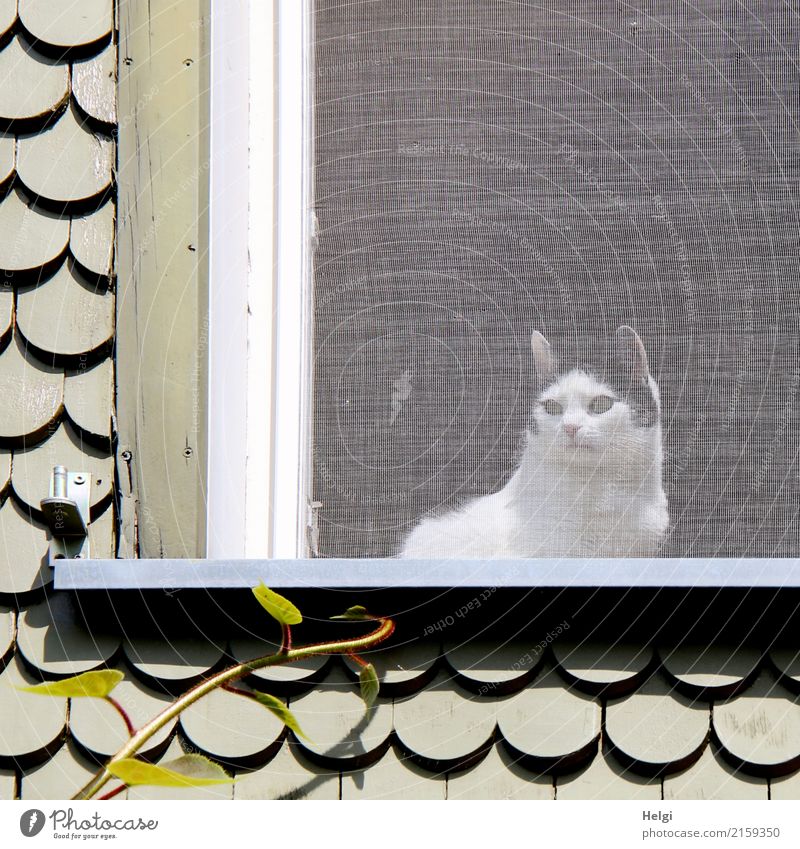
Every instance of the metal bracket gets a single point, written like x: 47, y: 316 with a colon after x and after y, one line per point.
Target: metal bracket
x: 66, y: 512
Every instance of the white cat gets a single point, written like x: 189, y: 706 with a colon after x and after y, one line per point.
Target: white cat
x: 589, y: 484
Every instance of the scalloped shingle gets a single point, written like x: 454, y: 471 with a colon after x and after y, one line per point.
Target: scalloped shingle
x: 232, y: 727
x: 33, y: 85
x: 66, y: 163
x: 94, y: 85
x: 33, y: 726
x: 51, y: 639
x: 66, y: 316
x: 444, y: 726
x: 89, y: 397
x: 23, y: 552
x: 33, y: 238
x: 92, y: 240
x: 73, y: 24
x: 100, y: 730
x: 656, y: 729
x: 33, y: 468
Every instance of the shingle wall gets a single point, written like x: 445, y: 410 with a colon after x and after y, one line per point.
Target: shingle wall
x: 57, y: 216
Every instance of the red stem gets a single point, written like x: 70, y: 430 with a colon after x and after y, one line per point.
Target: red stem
x: 286, y: 643
x: 123, y: 713
x: 112, y: 793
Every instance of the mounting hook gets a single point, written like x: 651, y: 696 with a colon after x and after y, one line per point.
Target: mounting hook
x: 66, y: 512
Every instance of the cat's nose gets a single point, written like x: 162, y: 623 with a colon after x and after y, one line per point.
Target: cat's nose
x: 571, y: 429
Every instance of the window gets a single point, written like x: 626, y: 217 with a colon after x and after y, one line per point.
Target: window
x: 483, y: 170
x: 452, y: 177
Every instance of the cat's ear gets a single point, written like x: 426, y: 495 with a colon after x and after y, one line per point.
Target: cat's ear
x: 631, y: 353
x: 542, y: 356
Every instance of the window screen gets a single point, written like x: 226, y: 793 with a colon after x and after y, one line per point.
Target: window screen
x: 486, y: 169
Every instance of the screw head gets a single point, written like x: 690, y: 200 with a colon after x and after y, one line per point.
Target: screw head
x: 79, y: 479
x: 126, y: 456
x: 187, y: 452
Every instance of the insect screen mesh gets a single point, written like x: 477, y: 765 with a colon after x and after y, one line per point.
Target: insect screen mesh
x: 486, y: 168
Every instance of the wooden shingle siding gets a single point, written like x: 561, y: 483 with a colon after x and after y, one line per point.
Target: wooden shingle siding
x: 161, y: 254
x: 57, y: 295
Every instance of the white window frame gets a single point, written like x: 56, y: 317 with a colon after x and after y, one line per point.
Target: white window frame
x: 260, y: 228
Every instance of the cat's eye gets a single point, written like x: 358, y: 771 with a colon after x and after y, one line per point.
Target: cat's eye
x: 552, y: 407
x: 601, y: 404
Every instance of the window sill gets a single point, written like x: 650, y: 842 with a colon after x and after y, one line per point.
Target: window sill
x: 169, y: 574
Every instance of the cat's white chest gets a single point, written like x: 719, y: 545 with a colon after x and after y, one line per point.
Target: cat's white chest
x: 548, y: 515
x: 589, y: 519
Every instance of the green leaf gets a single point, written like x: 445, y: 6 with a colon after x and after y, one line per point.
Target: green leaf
x: 95, y: 684
x: 369, y: 684
x: 186, y: 771
x: 357, y: 612
x: 281, y: 711
x: 277, y: 606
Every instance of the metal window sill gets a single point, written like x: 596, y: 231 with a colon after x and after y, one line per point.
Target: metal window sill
x: 170, y: 574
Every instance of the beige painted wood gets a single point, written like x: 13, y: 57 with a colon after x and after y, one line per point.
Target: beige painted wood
x: 162, y: 302
x: 712, y: 778
x: 8, y: 784
x: 89, y: 397
x: 65, y: 162
x: 60, y: 777
x: 33, y: 85
x: 8, y: 15
x: 102, y: 535
x: 605, y: 779
x: 550, y: 721
x: 657, y: 726
x: 92, y: 240
x: 5, y: 469
x: 600, y: 665
x: 176, y: 660
x: 32, y: 393
x: 23, y: 551
x: 249, y: 648
x: 97, y: 726
x: 499, y: 776
x: 32, y: 725
x: 8, y: 147
x: 52, y: 638
x: 7, y: 626
x: 71, y: 24
x: 443, y: 722
x: 33, y: 467
x: 224, y: 725
x: 762, y: 726
x: 288, y: 775
x: 214, y: 793
x: 341, y: 732
x: 65, y: 315
x: 31, y: 237
x: 713, y: 668
x: 400, y: 666
x: 786, y: 788
x: 94, y: 85
x: 492, y: 663
x: 394, y: 777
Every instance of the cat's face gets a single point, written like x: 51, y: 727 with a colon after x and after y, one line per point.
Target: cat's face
x: 581, y: 418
